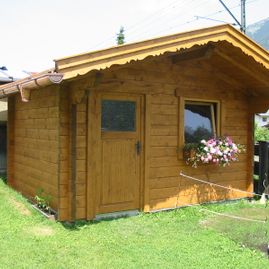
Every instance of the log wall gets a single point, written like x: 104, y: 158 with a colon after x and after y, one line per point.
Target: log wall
x: 41, y: 131
x: 33, y: 144
x: 165, y: 82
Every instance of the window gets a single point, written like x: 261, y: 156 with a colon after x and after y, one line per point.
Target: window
x: 264, y: 119
x: 118, y: 115
x: 199, y: 121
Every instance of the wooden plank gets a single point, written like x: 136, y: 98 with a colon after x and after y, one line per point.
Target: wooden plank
x: 164, y: 99
x: 162, y: 151
x: 164, y: 120
x: 163, y: 193
x: 148, y: 111
x: 164, y: 109
x: 181, y: 138
x: 81, y: 213
x: 163, y: 141
x: 160, y: 130
x: 164, y: 182
x: 93, y: 154
x: 250, y: 153
x: 164, y: 161
x: 165, y: 203
x: 73, y: 160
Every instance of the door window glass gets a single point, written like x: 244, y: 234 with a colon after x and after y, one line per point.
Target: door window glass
x: 118, y: 115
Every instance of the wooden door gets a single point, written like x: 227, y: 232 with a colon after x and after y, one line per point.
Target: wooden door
x: 118, y: 184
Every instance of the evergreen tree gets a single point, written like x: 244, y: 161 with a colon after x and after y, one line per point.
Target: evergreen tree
x: 120, y: 37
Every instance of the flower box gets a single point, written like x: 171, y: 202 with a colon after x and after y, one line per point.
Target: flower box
x: 220, y: 151
x: 50, y: 214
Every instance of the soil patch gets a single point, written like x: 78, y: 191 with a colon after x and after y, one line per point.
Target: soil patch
x: 252, y: 234
x: 21, y: 207
x: 41, y: 231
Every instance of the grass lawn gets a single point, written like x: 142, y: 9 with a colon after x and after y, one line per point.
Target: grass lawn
x: 183, y: 238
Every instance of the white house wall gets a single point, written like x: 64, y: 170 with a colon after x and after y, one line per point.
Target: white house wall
x: 3, y: 110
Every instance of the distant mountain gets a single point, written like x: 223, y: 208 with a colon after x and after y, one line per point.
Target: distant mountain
x: 259, y: 32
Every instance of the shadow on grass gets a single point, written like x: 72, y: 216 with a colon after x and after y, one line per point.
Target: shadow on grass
x: 3, y: 177
x: 80, y: 224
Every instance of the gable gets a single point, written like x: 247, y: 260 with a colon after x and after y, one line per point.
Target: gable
x: 83, y: 63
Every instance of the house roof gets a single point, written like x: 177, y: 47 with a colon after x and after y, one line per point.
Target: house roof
x: 5, y: 77
x: 81, y: 64
x: 229, y: 43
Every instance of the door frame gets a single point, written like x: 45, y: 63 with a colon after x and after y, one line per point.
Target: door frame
x: 94, y: 143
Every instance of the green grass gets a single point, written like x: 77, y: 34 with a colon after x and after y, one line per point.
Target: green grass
x: 174, y: 239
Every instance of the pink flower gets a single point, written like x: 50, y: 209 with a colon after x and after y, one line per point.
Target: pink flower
x: 212, y: 150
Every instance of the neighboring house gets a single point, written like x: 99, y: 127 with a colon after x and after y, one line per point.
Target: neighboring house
x: 262, y: 119
x: 104, y: 131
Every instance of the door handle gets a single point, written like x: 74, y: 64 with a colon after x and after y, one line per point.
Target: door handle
x: 138, y: 147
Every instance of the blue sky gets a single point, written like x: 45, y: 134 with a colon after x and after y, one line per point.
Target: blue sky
x: 34, y: 32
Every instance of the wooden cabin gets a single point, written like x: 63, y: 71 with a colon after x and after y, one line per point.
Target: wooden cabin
x: 104, y: 131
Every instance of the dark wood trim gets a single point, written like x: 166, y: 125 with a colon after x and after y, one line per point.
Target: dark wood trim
x: 200, y: 53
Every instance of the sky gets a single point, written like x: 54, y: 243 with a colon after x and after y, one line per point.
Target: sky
x: 35, y: 32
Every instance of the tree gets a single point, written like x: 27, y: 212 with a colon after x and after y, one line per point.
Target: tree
x: 261, y: 133
x: 120, y: 36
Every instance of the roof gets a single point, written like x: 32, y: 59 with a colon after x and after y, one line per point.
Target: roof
x: 81, y: 64
x: 256, y: 69
x: 5, y: 77
x: 24, y: 86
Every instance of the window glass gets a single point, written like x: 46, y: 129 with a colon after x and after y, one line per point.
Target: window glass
x: 199, y: 121
x: 118, y: 115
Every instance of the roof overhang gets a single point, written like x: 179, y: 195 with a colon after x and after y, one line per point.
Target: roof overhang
x: 24, y: 86
x: 81, y: 64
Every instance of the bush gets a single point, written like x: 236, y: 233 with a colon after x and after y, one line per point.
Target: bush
x: 261, y: 134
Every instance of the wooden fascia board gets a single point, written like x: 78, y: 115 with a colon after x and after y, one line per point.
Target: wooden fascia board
x: 83, y: 67
x: 82, y: 64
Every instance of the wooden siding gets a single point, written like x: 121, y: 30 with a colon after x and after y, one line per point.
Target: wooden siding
x: 81, y: 167
x: 163, y: 82
x: 33, y: 143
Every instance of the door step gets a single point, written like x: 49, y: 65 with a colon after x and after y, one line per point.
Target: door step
x: 119, y: 214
